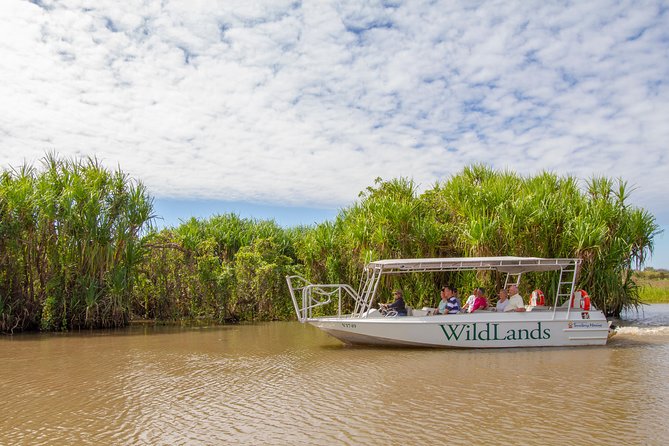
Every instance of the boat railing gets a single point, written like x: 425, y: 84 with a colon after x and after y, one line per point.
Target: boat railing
x: 308, y: 296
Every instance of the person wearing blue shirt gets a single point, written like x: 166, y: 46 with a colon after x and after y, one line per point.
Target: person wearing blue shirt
x: 397, y: 305
x: 450, y: 304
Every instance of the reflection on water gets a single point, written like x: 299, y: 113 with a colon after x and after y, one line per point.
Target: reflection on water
x: 287, y: 383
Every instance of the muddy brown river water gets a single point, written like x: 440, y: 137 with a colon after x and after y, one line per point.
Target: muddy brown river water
x: 288, y: 383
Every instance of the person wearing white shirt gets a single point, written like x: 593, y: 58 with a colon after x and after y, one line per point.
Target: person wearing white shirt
x: 469, y: 303
x: 515, y: 301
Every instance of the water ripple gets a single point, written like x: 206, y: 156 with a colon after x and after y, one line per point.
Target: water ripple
x: 287, y: 383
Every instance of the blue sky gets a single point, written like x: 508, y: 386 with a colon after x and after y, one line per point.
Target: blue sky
x: 172, y: 211
x: 230, y: 105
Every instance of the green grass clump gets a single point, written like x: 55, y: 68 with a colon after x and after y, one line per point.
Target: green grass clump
x: 653, y: 285
x: 654, y: 295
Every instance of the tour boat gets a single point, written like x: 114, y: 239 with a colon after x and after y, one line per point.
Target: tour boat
x: 569, y: 320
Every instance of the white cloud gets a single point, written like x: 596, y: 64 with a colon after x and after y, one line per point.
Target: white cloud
x: 305, y: 103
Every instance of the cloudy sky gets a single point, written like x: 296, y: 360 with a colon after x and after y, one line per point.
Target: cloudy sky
x: 303, y: 103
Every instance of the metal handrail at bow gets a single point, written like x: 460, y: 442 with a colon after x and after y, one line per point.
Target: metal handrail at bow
x: 317, y: 295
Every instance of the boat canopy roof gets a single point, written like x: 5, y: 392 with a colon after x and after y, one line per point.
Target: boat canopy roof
x: 512, y: 265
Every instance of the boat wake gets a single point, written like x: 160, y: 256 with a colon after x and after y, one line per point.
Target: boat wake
x: 643, y: 331
x: 648, y: 320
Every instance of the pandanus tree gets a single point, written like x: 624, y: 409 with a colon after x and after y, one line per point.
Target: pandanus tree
x: 225, y: 268
x: 500, y: 213
x: 388, y: 221
x: 485, y: 212
x: 618, y: 238
x: 74, y: 250
x: 71, y: 243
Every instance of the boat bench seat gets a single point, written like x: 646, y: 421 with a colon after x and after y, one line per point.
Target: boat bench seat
x: 536, y: 308
x: 418, y: 313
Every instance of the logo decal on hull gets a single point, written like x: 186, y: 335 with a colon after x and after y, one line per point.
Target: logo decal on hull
x: 589, y: 325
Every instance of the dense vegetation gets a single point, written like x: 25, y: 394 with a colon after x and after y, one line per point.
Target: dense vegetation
x: 74, y: 254
x: 224, y: 268
x: 69, y: 245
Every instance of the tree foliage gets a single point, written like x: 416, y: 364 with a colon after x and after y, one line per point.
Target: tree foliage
x: 69, y: 245
x: 225, y: 268
x: 73, y: 252
x: 488, y: 212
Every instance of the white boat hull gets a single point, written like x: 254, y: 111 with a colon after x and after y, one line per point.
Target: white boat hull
x: 477, y: 330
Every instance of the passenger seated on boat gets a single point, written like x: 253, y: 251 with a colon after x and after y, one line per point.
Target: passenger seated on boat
x: 480, y: 301
x: 469, y: 303
x: 449, y: 304
x: 515, y: 301
x: 502, y: 301
x: 397, y: 305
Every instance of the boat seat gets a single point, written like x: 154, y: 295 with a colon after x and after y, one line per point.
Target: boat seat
x: 536, y: 307
x: 420, y: 313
